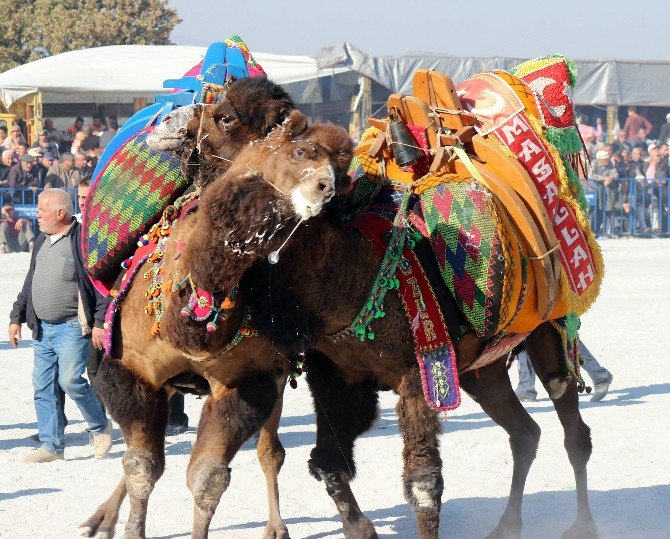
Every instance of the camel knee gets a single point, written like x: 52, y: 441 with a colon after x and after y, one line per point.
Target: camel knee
x: 141, y: 472
x: 578, y: 445
x: 208, y: 480
x: 423, y: 489
x: 524, y: 444
x: 271, y: 453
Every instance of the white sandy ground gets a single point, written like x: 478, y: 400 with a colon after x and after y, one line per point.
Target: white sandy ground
x: 629, y: 471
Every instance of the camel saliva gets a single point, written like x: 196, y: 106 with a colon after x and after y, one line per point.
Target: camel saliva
x: 271, y: 186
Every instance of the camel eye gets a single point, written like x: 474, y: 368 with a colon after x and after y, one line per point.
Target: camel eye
x: 226, y: 120
x: 299, y: 152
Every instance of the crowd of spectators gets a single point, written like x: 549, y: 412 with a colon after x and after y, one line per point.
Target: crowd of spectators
x: 55, y: 160
x: 628, y: 176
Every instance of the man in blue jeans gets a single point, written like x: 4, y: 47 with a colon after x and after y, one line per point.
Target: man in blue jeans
x: 600, y: 376
x: 65, y: 313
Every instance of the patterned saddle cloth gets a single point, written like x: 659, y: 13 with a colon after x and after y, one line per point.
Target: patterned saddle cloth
x: 500, y: 201
x: 127, y: 199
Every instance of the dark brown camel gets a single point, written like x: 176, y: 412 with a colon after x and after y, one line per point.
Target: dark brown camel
x: 244, y: 215
x: 346, y: 383
x: 345, y: 376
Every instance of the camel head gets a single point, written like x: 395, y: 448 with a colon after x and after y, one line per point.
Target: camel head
x: 304, y: 164
x: 212, y: 135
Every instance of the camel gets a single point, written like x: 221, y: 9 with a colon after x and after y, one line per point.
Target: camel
x: 345, y: 376
x: 243, y: 215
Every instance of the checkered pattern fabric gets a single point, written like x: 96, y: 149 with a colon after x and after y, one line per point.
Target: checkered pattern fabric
x: 465, y: 233
x: 129, y: 196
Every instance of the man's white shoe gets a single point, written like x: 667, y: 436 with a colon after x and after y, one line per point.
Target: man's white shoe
x: 102, y: 442
x: 41, y: 455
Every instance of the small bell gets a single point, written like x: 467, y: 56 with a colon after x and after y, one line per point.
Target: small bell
x: 405, y: 148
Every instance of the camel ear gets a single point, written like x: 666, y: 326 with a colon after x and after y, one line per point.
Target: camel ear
x: 296, y: 123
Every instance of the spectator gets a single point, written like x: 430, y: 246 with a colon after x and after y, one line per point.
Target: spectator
x: 603, y: 173
x: 21, y: 150
x: 656, y: 191
x: 600, y: 376
x: 625, y: 167
x: 91, y: 146
x: 80, y: 161
x: 54, y: 288
x: 5, y: 165
x: 96, y: 127
x: 43, y: 165
x: 24, y: 176
x: 68, y: 176
x: 586, y: 130
x: 640, y: 140
x: 14, y: 139
x: 82, y: 195
x: 634, y: 123
x: 45, y: 144
x: 178, y: 420
x: 76, y: 143
x: 665, y: 152
x: 107, y: 136
x: 53, y: 134
x: 77, y: 126
x: 3, y: 134
x: 16, y: 235
x: 664, y: 136
x: 621, y: 144
x: 590, y: 143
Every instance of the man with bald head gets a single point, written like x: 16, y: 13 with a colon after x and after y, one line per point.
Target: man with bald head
x: 66, y: 314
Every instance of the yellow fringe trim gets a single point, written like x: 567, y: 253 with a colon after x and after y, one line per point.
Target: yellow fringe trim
x: 578, y: 304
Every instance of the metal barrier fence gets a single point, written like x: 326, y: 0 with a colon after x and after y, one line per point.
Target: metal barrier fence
x: 25, y: 201
x: 628, y: 207
x: 623, y: 207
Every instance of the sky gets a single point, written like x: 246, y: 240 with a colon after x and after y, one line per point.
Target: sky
x: 633, y: 30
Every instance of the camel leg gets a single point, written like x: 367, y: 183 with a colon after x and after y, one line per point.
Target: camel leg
x: 547, y: 356
x: 422, y: 472
x: 492, y: 389
x: 271, y: 457
x: 102, y: 523
x: 142, y: 415
x: 227, y: 421
x: 342, y: 414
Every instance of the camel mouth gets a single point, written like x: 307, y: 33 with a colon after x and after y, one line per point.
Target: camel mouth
x: 303, y: 207
x: 172, y: 132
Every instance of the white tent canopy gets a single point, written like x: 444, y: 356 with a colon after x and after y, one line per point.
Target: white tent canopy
x: 122, y: 72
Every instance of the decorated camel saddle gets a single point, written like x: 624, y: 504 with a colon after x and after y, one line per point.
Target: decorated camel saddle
x: 134, y: 182
x: 486, y: 171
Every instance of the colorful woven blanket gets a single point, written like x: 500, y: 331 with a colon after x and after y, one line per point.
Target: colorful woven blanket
x: 512, y: 134
x: 434, y: 350
x: 128, y: 198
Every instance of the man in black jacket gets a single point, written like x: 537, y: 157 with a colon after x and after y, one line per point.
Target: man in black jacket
x: 65, y: 312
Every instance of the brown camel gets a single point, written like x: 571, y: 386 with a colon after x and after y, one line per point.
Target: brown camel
x: 242, y: 216
x: 345, y: 376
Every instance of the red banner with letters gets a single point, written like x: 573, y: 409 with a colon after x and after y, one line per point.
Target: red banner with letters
x: 517, y: 134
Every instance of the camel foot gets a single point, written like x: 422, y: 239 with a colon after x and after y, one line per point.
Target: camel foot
x: 100, y: 525
x: 507, y: 528
x: 279, y: 531
x: 585, y: 529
